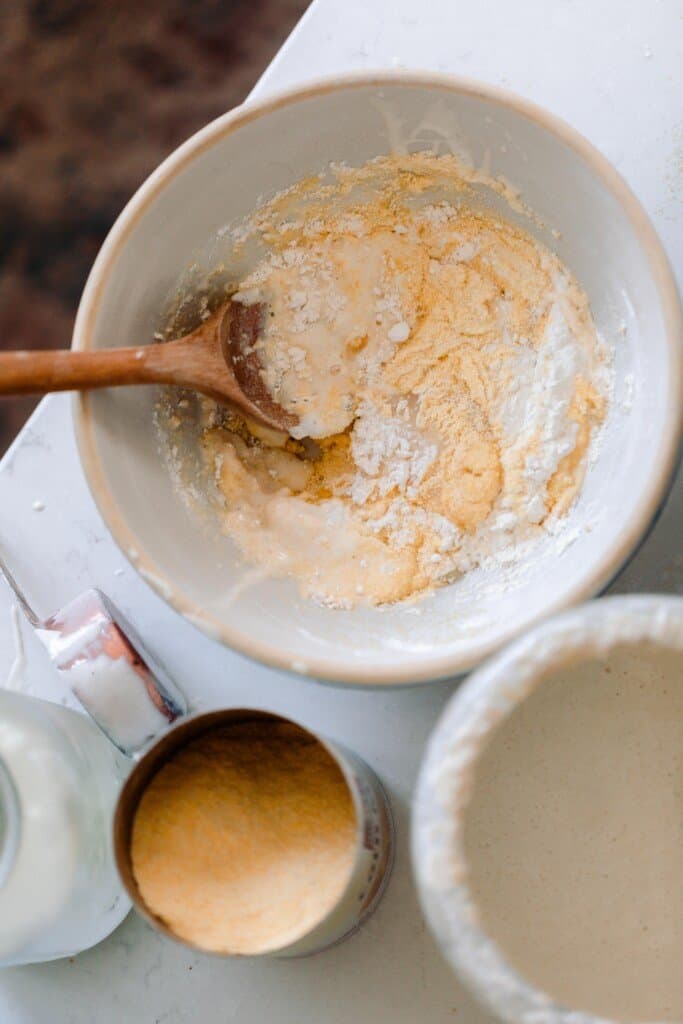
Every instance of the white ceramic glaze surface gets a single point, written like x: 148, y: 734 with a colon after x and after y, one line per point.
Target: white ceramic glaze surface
x: 585, y: 62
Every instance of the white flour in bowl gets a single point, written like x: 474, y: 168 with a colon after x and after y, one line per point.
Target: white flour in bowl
x: 446, y: 362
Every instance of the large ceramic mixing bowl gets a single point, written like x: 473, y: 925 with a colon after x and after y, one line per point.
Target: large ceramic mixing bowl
x: 591, y: 220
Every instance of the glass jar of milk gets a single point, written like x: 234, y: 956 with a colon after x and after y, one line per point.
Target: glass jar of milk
x: 59, y: 782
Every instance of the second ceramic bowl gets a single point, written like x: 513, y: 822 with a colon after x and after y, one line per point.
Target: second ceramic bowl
x: 578, y: 794
x: 595, y: 225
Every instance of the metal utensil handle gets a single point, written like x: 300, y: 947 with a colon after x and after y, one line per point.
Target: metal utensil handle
x: 22, y: 600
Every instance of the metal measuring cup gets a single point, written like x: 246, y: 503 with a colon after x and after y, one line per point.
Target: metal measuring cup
x: 106, y: 666
x: 374, y: 836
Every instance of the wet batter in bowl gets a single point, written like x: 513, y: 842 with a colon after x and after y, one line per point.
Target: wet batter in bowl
x: 446, y: 362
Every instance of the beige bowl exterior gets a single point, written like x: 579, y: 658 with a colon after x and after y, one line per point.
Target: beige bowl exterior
x: 217, y: 176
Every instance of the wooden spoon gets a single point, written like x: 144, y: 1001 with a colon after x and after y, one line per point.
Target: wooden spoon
x: 218, y: 359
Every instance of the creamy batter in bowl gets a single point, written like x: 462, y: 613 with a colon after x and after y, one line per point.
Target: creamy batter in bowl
x: 582, y: 212
x: 446, y: 379
x: 547, y: 821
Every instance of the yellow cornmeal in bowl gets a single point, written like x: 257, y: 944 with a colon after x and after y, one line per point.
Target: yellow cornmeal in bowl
x: 245, y: 839
x: 446, y: 362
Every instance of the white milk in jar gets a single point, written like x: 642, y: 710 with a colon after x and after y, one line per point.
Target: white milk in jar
x: 59, y: 782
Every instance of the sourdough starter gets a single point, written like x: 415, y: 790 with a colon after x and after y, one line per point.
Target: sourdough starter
x: 574, y: 836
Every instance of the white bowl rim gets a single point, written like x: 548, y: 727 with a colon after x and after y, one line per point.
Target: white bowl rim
x: 329, y: 668
x: 446, y: 775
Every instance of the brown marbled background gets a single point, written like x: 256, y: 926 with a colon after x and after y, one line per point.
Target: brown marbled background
x: 93, y: 94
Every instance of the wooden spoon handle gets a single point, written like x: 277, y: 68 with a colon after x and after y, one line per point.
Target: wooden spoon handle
x: 26, y: 372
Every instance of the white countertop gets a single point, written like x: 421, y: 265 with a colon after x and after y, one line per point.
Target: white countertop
x: 613, y: 69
